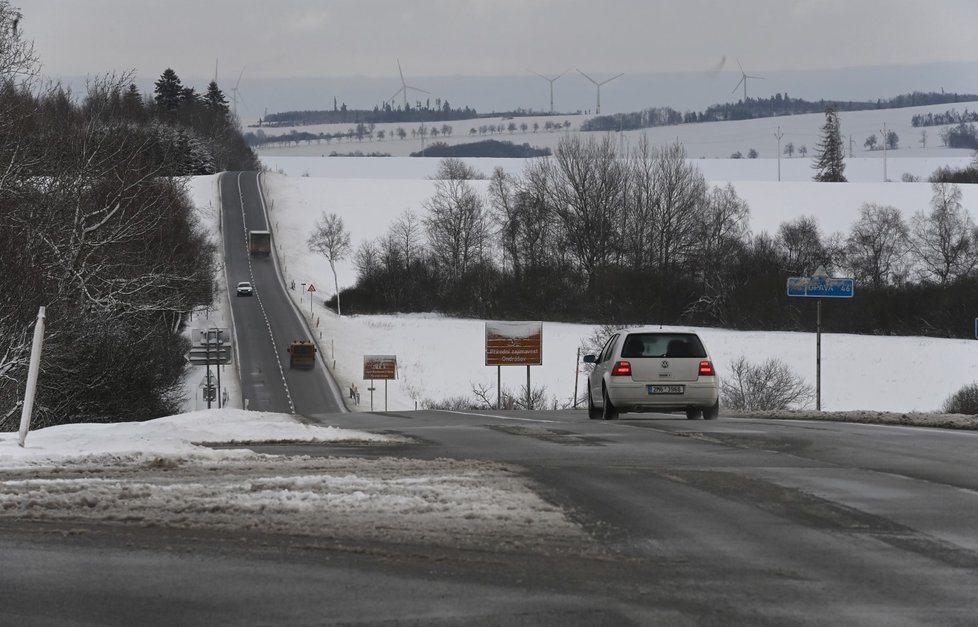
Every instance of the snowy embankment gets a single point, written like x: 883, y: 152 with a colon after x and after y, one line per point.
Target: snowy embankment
x: 159, y: 473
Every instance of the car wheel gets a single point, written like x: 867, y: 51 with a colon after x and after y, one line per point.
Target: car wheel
x: 711, y: 413
x: 609, y: 411
x: 592, y: 412
x: 692, y: 413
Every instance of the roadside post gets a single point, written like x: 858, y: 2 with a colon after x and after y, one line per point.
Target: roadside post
x: 818, y: 286
x: 211, y: 347
x: 311, y: 289
x: 32, y: 371
x: 383, y: 367
x: 514, y: 344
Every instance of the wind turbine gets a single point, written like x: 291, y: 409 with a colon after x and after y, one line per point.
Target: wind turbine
x: 743, y: 79
x: 597, y: 109
x: 404, y: 87
x: 551, y: 81
x: 236, y: 93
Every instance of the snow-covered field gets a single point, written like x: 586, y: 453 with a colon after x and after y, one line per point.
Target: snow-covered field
x: 708, y: 140
x: 158, y: 473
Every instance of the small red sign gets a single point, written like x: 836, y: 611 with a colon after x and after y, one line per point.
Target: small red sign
x: 312, y: 288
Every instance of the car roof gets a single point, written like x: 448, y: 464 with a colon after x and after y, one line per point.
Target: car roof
x: 657, y: 331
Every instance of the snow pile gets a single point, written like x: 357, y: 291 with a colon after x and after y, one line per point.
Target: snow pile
x: 178, y: 438
x: 158, y: 473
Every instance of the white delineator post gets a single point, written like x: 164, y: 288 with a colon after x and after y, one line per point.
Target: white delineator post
x: 25, y: 414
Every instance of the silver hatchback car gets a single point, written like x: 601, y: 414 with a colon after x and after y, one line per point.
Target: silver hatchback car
x: 642, y: 370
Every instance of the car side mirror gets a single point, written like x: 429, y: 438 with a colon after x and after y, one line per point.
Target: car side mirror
x: 590, y: 359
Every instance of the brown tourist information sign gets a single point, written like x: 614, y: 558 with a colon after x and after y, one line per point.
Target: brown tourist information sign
x: 514, y: 343
x: 376, y: 367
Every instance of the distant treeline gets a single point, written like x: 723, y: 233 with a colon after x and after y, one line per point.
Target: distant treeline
x: 441, y: 111
x: 486, y: 148
x: 587, y: 237
x: 951, y: 116
x: 777, y: 105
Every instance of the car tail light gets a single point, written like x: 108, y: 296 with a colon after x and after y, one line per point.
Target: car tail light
x: 622, y: 369
x: 706, y: 369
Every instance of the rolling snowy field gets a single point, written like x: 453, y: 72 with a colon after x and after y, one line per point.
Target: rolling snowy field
x: 709, y: 140
x: 440, y: 358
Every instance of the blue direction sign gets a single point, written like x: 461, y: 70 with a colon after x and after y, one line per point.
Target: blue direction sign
x: 976, y: 328
x: 821, y: 287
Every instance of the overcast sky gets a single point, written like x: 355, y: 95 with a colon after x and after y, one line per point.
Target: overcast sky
x: 343, y: 38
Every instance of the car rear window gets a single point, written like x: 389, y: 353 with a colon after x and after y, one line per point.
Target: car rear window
x: 662, y: 345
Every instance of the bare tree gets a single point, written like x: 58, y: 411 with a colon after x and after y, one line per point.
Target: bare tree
x: 768, y: 386
x: 678, y: 196
x: 583, y: 186
x: 407, y: 232
x: 17, y: 57
x: 802, y: 247
x: 723, y: 230
x: 876, y: 248
x: 944, y: 242
x: 331, y: 240
x: 456, y: 225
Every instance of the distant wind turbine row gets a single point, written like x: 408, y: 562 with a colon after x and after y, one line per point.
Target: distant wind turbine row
x: 404, y: 88
x: 597, y: 109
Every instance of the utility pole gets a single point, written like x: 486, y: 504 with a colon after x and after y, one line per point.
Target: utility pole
x: 779, y: 135
x: 885, y: 137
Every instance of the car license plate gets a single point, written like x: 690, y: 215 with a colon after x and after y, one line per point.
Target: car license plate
x: 665, y: 389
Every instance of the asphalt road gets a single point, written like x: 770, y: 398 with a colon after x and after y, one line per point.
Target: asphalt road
x: 265, y: 325
x: 727, y: 522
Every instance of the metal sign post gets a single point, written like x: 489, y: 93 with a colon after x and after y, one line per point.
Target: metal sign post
x: 819, y: 286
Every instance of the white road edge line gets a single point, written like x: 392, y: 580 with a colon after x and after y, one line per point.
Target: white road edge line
x: 466, y: 413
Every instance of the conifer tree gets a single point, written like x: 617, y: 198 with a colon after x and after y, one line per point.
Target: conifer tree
x: 169, y: 90
x: 214, y: 99
x: 829, y: 154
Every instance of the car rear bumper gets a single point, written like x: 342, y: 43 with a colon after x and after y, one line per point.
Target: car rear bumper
x: 634, y: 396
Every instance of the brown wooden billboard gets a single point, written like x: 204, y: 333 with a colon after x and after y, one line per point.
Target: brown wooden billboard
x: 377, y: 367
x: 514, y: 343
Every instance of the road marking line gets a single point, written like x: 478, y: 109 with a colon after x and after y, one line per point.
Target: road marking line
x: 466, y: 413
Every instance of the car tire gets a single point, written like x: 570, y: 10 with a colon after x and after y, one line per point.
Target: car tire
x: 692, y: 413
x: 608, y: 411
x: 592, y: 412
x: 711, y: 413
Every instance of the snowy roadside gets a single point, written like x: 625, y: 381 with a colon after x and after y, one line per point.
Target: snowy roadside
x: 908, y: 419
x: 160, y: 473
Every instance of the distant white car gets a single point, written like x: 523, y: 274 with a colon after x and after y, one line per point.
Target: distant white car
x: 245, y: 289
x: 642, y: 370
